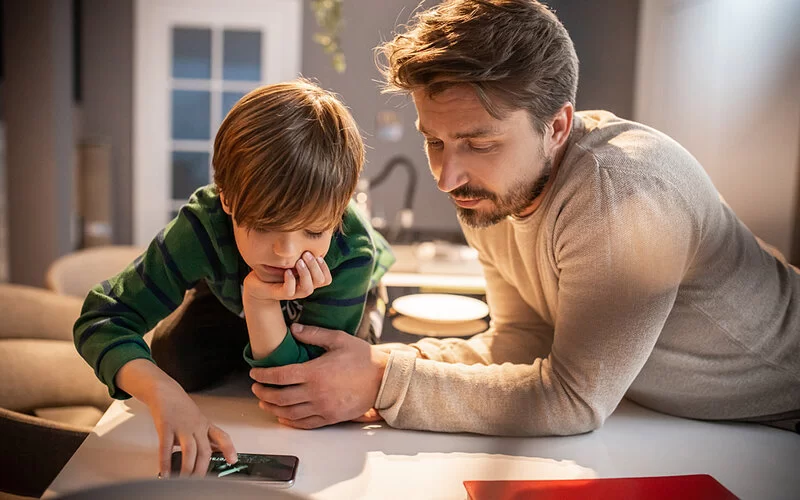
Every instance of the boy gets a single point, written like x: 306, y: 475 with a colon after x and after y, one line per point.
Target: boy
x: 274, y: 240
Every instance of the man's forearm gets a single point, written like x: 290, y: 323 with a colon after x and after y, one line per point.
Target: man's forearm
x: 265, y: 325
x: 507, y: 399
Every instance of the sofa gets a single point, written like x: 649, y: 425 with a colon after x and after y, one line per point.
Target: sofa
x: 49, y: 397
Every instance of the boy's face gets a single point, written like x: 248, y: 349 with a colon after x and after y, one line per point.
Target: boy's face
x: 490, y: 167
x: 271, y: 253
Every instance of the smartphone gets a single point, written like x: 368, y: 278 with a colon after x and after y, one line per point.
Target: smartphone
x: 275, y: 470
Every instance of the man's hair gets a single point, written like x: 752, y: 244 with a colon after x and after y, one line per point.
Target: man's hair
x: 515, y: 54
x: 287, y: 157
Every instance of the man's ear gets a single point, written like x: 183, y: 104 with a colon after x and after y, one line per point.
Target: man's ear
x: 560, y: 127
x: 225, y: 206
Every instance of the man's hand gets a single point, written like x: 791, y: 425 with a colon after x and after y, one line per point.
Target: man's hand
x: 340, y: 385
x: 312, y: 273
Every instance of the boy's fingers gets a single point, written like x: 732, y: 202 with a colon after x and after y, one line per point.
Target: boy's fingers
x: 203, y: 455
x: 189, y: 451
x: 305, y: 284
x: 221, y: 441
x: 317, y: 276
x: 326, y: 272
x: 165, y: 453
x: 289, y: 283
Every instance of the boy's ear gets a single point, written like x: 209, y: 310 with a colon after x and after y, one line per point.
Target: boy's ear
x: 224, y: 204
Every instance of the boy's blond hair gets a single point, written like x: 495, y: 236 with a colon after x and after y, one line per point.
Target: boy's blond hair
x: 287, y: 157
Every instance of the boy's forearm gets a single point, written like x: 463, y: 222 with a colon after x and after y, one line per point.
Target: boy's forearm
x: 265, y: 325
x: 143, y: 380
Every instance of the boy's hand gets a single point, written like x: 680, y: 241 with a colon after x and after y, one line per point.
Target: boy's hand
x: 179, y: 421
x: 312, y: 273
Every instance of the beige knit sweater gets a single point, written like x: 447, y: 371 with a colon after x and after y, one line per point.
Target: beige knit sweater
x: 631, y: 279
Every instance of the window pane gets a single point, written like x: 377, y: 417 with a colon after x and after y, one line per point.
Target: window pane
x: 191, y: 114
x: 242, y: 55
x: 228, y: 100
x: 191, y: 53
x: 189, y: 172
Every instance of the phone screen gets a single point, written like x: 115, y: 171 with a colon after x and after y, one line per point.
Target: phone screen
x: 275, y: 469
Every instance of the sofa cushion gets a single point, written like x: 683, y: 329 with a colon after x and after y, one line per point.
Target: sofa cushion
x: 47, y: 374
x: 35, y: 313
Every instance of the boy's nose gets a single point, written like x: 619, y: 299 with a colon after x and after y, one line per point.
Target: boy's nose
x: 284, y: 247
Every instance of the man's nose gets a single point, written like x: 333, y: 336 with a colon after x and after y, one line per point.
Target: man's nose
x: 451, y: 174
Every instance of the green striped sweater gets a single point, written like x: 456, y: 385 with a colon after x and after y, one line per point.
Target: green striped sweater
x: 199, y: 245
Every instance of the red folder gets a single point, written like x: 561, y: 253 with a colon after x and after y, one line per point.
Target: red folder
x: 697, y: 486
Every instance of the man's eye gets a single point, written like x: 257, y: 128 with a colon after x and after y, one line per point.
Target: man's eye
x: 433, y: 144
x: 312, y: 234
x: 480, y: 148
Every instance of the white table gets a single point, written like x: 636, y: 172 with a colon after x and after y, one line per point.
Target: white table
x: 375, y: 461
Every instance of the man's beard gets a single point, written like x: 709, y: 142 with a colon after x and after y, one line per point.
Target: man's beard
x: 514, y: 202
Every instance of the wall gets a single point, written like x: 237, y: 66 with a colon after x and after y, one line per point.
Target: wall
x: 107, y: 97
x: 722, y: 78
x: 367, y: 23
x: 605, y: 39
x: 38, y: 113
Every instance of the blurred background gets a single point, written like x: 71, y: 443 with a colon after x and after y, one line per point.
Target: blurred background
x: 108, y: 108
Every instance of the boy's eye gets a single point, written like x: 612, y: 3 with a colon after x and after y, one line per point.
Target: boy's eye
x: 433, y: 143
x: 312, y: 234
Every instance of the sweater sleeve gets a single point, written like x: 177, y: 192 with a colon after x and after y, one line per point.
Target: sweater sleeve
x: 119, y: 311
x: 516, y: 333
x: 621, y: 246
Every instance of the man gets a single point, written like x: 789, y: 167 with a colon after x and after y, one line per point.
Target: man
x: 613, y: 268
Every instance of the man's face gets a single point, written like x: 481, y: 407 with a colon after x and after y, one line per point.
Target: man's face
x: 490, y: 168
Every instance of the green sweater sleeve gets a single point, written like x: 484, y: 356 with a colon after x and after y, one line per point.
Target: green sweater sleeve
x: 118, y: 312
x: 288, y: 352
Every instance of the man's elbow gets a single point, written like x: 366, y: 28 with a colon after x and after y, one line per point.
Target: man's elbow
x: 587, y: 417
x: 589, y: 422
x: 569, y: 420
